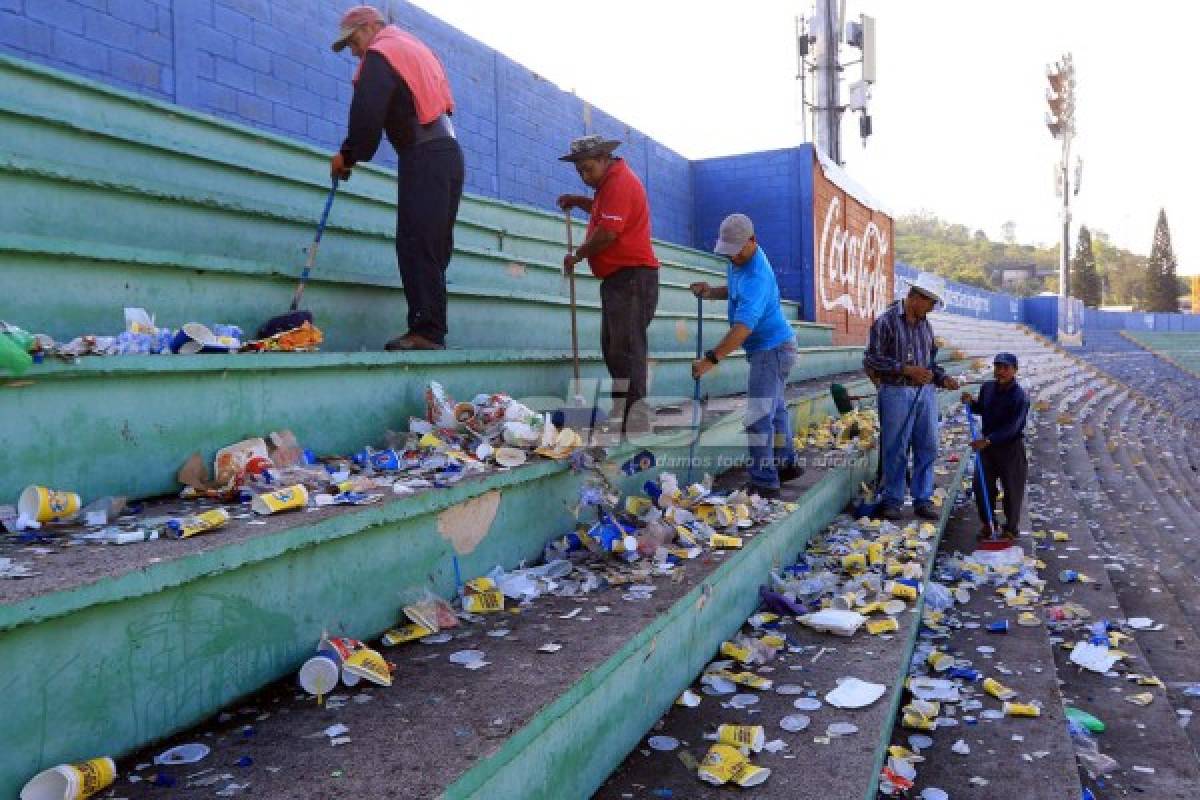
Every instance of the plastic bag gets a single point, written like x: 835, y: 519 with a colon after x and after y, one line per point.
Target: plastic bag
x: 1088, y: 752
x: 937, y: 597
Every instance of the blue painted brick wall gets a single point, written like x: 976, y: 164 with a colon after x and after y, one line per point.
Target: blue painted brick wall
x: 268, y: 64
x: 767, y: 187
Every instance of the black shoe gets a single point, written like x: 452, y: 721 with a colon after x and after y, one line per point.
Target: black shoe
x: 765, y: 492
x: 790, y: 473
x: 889, y: 513
x: 927, y: 511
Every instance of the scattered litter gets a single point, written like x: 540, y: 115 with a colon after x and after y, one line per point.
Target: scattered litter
x: 183, y: 754
x: 663, y: 743
x: 855, y: 693
x: 794, y: 723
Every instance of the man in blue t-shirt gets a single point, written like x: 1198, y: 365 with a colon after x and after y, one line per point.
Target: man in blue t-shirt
x: 1004, y: 406
x: 758, y: 326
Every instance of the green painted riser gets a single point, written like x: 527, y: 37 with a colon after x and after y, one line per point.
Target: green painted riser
x: 65, y: 295
x: 124, y: 425
x: 574, y: 744
x: 187, y: 236
x: 112, y: 665
x: 195, y: 160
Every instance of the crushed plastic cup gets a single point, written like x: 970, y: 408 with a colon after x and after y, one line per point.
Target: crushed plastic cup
x: 483, y: 602
x: 183, y: 754
x: 723, y: 541
x: 749, y: 736
x: 184, y: 527
x: 720, y: 764
x: 881, y: 626
x: 319, y: 675
x: 71, y: 781
x: 900, y: 590
x: 1021, y: 710
x: 47, y: 505
x: 292, y: 497
x: 998, y: 690
x: 747, y: 775
x: 367, y: 663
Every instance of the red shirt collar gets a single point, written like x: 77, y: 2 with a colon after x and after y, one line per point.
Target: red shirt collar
x: 617, y: 164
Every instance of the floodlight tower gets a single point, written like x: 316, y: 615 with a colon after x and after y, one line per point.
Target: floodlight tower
x: 1061, y: 122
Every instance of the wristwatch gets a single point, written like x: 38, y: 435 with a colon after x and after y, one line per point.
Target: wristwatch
x: 711, y: 355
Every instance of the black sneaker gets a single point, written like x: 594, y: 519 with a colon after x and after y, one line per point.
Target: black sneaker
x: 790, y: 473
x: 889, y: 513
x: 927, y: 511
x: 765, y: 492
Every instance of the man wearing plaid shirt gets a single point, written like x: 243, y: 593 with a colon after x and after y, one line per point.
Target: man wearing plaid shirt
x: 902, y: 356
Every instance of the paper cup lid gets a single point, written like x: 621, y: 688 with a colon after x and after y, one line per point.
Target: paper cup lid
x: 319, y: 675
x: 29, y: 502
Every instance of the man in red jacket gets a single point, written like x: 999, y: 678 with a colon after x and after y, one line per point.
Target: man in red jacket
x: 401, y: 88
x: 618, y: 250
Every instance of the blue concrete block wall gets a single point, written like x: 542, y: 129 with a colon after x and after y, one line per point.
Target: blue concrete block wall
x: 773, y: 188
x: 268, y: 64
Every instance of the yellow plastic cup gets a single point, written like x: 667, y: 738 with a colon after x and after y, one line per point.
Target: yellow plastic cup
x: 939, y: 661
x: 854, y: 562
x: 47, y: 505
x: 731, y: 650
x: 1022, y: 710
x: 720, y: 764
x: 997, y: 690
x: 366, y: 663
x: 916, y: 722
x: 875, y: 553
x: 901, y: 590
x: 723, y: 541
x: 199, y: 523
x: 747, y: 775
x: 750, y: 736
x: 281, y: 500
x: 885, y: 625
x: 484, y: 602
x: 71, y: 781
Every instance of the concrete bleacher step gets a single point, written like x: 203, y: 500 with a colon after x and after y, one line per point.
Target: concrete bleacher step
x: 168, y: 632
x: 809, y: 767
x: 134, y: 420
x: 1014, y: 757
x: 1147, y: 737
x: 171, y: 191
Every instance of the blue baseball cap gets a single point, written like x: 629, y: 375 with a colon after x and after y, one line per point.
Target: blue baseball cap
x: 1005, y: 358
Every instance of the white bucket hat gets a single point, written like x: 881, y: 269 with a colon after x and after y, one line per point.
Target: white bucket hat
x: 930, y: 285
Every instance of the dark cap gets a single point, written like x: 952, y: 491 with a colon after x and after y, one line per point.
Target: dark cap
x: 1005, y: 358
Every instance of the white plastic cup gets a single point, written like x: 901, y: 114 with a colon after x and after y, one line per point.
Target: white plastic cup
x: 71, y: 781
x: 319, y: 675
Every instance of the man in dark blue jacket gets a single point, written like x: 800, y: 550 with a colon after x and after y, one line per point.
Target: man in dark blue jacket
x: 1003, y: 405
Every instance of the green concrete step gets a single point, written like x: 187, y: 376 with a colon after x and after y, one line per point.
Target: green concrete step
x: 157, y: 177
x: 183, y: 628
x: 180, y: 287
x: 123, y: 425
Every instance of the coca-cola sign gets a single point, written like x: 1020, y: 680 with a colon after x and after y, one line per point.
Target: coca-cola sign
x: 853, y: 260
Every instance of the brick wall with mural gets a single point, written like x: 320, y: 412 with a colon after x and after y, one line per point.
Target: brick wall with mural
x: 853, y: 255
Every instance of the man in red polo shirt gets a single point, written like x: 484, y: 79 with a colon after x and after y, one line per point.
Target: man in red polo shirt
x: 618, y: 250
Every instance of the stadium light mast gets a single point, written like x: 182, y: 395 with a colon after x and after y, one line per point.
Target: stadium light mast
x: 1060, y: 120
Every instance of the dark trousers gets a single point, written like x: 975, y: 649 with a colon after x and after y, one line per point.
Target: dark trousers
x: 1007, y: 465
x: 628, y: 300
x: 430, y: 182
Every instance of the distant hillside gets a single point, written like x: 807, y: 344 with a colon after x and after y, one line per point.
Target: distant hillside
x: 956, y: 253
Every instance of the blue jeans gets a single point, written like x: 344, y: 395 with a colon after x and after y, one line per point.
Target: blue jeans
x: 898, y: 432
x: 768, y: 426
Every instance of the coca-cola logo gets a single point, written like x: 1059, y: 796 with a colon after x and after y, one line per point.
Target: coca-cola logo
x: 852, y: 266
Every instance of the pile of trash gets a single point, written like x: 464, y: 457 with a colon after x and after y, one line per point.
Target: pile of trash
x: 20, y: 349
x: 945, y: 690
x: 853, y: 431
x: 275, y: 473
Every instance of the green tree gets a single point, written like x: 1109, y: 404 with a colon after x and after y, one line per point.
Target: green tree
x: 1085, y: 279
x: 1160, y: 285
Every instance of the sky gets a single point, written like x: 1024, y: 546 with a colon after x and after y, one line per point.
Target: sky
x: 958, y: 107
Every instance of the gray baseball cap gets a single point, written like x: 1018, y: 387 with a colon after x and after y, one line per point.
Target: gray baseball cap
x: 735, y: 231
